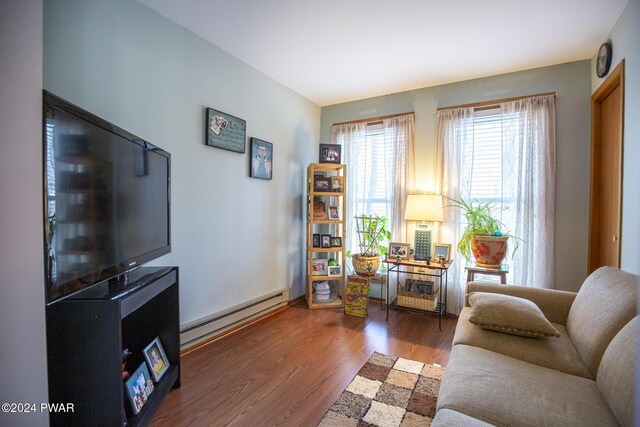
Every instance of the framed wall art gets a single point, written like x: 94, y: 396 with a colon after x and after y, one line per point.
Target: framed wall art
x: 261, y: 159
x: 225, y: 131
x: 330, y: 153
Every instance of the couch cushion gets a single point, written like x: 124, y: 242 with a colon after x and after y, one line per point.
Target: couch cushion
x: 509, y: 314
x: 605, y: 303
x: 501, y: 390
x: 617, y: 373
x: 555, y: 353
x: 449, y: 418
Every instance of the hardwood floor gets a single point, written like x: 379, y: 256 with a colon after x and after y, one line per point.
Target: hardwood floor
x: 288, y: 369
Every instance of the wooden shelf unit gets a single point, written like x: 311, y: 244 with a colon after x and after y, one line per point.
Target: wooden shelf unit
x: 335, y: 228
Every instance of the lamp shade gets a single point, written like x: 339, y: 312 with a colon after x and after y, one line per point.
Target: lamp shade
x: 423, y: 207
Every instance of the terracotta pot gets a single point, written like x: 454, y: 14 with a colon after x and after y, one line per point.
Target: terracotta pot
x: 366, y: 266
x: 489, y: 251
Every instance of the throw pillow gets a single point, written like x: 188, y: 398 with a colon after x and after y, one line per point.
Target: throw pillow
x: 509, y: 314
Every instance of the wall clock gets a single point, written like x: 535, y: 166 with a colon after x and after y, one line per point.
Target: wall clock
x: 603, y: 62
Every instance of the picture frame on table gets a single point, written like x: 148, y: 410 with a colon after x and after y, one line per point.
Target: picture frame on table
x: 443, y: 249
x: 320, y: 266
x: 139, y: 386
x: 334, y: 214
x: 330, y: 153
x: 326, y: 240
x: 399, y: 250
x: 317, y: 243
x: 322, y: 184
x: 225, y: 131
x: 261, y: 161
x: 336, y: 242
x: 157, y: 359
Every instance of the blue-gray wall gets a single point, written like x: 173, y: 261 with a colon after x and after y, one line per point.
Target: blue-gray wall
x: 625, y: 37
x: 235, y: 238
x: 571, y: 81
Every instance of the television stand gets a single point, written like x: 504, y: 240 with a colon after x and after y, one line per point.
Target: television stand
x: 86, y: 335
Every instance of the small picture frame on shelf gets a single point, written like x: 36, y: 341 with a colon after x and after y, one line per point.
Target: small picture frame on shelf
x: 316, y: 241
x: 399, y: 250
x: 326, y: 240
x: 334, y: 270
x: 321, y: 184
x: 330, y: 153
x: 336, y: 184
x: 139, y: 386
x: 333, y: 213
x: 319, y: 267
x: 336, y: 242
x: 443, y: 249
x: 157, y: 359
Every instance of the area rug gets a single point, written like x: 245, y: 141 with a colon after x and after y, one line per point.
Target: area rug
x: 388, y: 392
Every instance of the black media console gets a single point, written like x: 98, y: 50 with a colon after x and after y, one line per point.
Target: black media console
x: 86, y: 334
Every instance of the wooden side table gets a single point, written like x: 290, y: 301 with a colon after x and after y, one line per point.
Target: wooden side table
x: 501, y: 272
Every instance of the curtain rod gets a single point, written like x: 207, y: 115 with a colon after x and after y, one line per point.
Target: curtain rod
x: 495, y: 102
x: 374, y: 119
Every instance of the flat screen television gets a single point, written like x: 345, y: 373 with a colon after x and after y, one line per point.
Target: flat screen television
x: 106, y: 199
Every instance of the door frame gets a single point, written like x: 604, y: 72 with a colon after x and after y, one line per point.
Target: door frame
x: 615, y: 80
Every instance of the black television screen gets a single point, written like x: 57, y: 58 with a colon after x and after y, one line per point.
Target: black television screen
x: 107, y: 199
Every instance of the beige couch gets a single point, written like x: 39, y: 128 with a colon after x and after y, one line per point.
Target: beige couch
x: 585, y: 377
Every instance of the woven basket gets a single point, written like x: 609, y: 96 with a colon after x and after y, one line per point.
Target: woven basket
x: 415, y: 300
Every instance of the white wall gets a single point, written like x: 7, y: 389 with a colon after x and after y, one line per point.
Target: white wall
x: 23, y: 372
x: 625, y: 37
x: 570, y: 81
x: 234, y: 238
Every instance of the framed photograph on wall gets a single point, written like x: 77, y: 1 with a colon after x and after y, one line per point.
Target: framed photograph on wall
x: 320, y: 267
x: 225, y: 131
x: 157, y: 360
x: 443, y: 249
x: 261, y: 159
x: 399, y: 250
x: 330, y: 153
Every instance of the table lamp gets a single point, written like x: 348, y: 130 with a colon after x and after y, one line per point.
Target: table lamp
x: 423, y: 208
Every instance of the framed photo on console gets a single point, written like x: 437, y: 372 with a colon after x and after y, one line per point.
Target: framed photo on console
x: 157, y: 360
x: 443, y: 249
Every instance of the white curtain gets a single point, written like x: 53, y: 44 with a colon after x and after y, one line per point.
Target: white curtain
x: 521, y: 177
x: 455, y: 126
x: 380, y: 170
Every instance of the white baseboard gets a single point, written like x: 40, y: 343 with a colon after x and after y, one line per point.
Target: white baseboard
x: 200, y: 330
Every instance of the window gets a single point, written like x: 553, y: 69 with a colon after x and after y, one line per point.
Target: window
x: 505, y: 155
x: 379, y: 158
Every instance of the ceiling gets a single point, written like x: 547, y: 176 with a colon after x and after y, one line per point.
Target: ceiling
x: 333, y: 51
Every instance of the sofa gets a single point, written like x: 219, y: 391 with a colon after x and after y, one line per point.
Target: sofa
x: 585, y: 375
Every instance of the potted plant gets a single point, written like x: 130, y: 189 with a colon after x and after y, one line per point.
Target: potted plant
x: 484, y: 236
x: 373, y: 235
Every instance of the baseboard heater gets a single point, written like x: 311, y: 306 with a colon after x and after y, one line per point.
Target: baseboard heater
x: 200, y: 330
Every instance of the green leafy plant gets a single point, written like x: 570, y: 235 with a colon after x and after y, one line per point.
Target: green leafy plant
x: 481, y: 221
x: 373, y: 235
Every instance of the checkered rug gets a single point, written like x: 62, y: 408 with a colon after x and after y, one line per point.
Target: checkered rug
x: 388, y: 392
